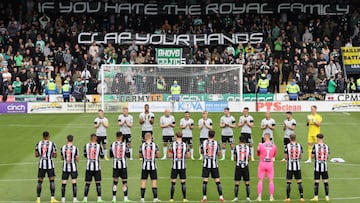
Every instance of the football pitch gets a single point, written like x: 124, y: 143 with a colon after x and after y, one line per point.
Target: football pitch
x: 20, y: 133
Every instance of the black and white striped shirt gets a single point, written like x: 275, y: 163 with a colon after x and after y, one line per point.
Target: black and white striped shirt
x: 69, y: 154
x: 178, y: 150
x: 45, y: 149
x: 293, y: 152
x: 242, y: 153
x: 118, y: 151
x: 210, y: 150
x: 321, y: 153
x: 92, y: 153
x: 148, y: 152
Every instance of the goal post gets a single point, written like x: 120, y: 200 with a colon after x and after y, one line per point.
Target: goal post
x: 199, y: 80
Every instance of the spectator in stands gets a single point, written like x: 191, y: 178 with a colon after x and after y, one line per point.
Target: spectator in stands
x: 286, y: 69
x: 293, y: 90
x: 275, y: 79
x: 340, y: 83
x: 330, y: 69
x: 17, y: 86
x: 331, y: 88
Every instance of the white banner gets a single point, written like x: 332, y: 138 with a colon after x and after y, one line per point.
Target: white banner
x: 343, y: 97
x: 73, y: 107
x: 154, y: 106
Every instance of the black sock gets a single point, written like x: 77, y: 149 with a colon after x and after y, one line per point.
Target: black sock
x: 204, y: 187
x: 316, y: 189
x: 98, y: 189
x: 86, y: 191
x: 154, y: 190
x: 183, y: 189
x: 63, y: 187
x: 301, y: 190
x: 326, y: 186
x: 236, y: 190
x: 219, y: 188
x: 52, y: 188
x: 288, y: 189
x: 142, y: 191
x: 247, y: 190
x: 114, y: 188
x: 126, y: 188
x: 38, y: 188
x: 172, y: 190
x: 74, y: 190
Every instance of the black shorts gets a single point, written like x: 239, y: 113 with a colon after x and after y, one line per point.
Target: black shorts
x: 242, y: 173
x: 101, y: 139
x: 65, y: 175
x: 127, y: 138
x: 122, y: 173
x: 145, y: 174
x: 323, y: 175
x: 168, y: 138
x: 291, y: 174
x: 248, y: 137
x: 43, y: 172
x: 176, y: 172
x: 202, y: 141
x: 90, y: 174
x: 143, y: 134
x: 213, y: 171
x: 286, y: 141
x: 227, y: 139
x: 187, y: 140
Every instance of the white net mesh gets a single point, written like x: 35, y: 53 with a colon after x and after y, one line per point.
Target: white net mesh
x: 158, y: 79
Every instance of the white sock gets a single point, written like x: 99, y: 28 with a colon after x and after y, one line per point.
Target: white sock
x: 252, y: 152
x: 221, y: 197
x: 164, y: 152
x: 204, y: 197
x: 114, y: 197
x: 99, y: 198
x: 192, y: 152
x: 85, y: 198
x: 125, y: 198
x: 131, y: 153
x: 223, y: 151
x: 232, y: 152
x: 105, y: 152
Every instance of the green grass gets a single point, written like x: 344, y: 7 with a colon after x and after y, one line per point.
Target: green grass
x: 20, y: 133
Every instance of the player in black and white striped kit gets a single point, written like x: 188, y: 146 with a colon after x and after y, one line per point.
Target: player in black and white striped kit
x: 46, y: 151
x: 119, y: 151
x: 321, y: 153
x: 149, y: 151
x: 242, y: 154
x: 93, y: 152
x: 292, y: 154
x: 178, y: 152
x: 211, y: 150
x: 70, y: 157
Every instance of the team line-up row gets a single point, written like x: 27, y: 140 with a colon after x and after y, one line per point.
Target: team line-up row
x: 180, y: 149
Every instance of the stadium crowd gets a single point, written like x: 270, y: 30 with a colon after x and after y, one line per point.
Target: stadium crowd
x: 36, y: 48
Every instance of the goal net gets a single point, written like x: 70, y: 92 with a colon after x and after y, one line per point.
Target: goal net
x: 129, y: 83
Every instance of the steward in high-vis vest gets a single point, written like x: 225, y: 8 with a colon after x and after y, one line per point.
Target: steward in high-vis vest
x: 175, y: 91
x: 358, y: 84
x: 293, y: 90
x: 263, y: 84
x: 51, y: 88
x: 351, y: 86
x: 66, y: 91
